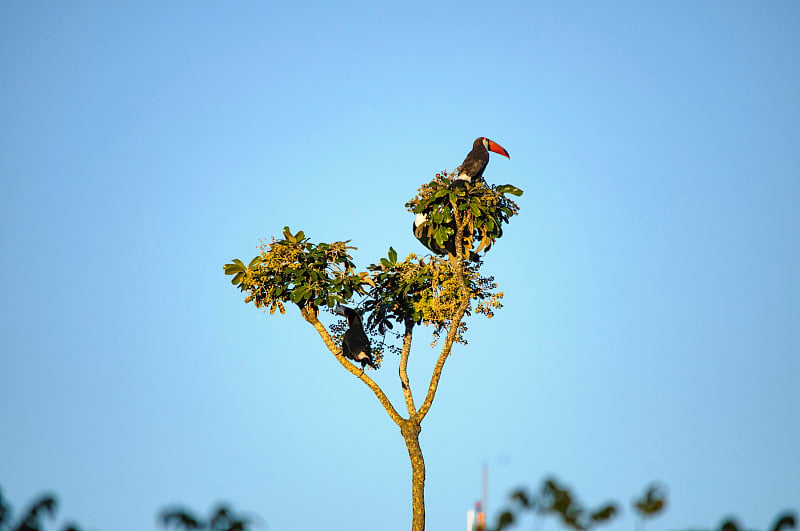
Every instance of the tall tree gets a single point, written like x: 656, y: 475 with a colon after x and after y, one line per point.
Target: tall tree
x: 457, y: 219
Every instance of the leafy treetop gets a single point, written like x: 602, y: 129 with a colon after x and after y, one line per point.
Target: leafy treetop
x: 479, y: 209
x: 418, y: 290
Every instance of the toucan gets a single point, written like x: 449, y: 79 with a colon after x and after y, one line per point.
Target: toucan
x: 471, y: 170
x: 355, y: 344
x: 477, y: 159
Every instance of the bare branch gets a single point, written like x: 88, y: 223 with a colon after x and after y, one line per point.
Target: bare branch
x: 404, y: 372
x: 311, y: 316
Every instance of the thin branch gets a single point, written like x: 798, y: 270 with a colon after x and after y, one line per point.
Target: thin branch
x: 311, y: 317
x: 404, y: 372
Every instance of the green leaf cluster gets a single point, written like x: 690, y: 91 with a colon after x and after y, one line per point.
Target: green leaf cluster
x: 292, y: 269
x: 418, y: 290
x: 426, y: 290
x: 399, y: 289
x: 478, y: 208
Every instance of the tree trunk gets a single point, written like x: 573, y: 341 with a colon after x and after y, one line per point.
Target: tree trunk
x: 410, y: 430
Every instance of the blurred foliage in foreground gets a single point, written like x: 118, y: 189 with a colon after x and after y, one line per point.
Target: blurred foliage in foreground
x: 552, y: 499
x: 32, y: 517
x: 221, y: 519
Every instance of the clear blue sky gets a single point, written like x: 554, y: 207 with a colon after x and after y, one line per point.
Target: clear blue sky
x: 652, y: 320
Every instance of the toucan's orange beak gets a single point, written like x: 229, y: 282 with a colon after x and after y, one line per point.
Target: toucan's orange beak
x: 497, y: 148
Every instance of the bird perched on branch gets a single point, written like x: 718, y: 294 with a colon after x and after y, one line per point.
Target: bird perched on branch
x: 355, y: 344
x: 475, y: 163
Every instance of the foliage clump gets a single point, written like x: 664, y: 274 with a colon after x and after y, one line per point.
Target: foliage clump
x: 478, y: 208
x: 293, y: 269
x: 418, y: 290
x: 429, y: 291
x: 556, y: 499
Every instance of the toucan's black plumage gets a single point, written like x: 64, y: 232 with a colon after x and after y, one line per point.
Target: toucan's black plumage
x: 430, y: 243
x: 355, y: 344
x: 449, y: 245
x: 475, y: 163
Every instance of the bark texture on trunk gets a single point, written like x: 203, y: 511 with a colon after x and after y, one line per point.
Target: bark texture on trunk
x: 410, y: 431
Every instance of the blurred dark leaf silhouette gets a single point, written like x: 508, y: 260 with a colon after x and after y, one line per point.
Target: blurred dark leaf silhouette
x: 730, y: 525
x: 651, y: 503
x: 521, y: 497
x: 555, y: 499
x: 222, y: 519
x: 506, y: 519
x: 5, y: 512
x: 45, y: 506
x: 552, y: 499
x: 785, y: 522
x: 180, y: 518
x: 605, y: 513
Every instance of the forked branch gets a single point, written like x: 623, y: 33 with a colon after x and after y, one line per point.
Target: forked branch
x: 311, y: 317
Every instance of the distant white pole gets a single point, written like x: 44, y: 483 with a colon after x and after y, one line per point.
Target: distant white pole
x: 485, y: 504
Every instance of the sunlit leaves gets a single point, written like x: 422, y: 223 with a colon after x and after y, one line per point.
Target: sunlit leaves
x: 508, y: 189
x: 237, y: 269
x: 295, y: 270
x: 426, y: 290
x: 478, y: 209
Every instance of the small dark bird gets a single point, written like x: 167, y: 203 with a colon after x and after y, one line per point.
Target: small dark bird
x: 355, y: 344
x: 473, y: 166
